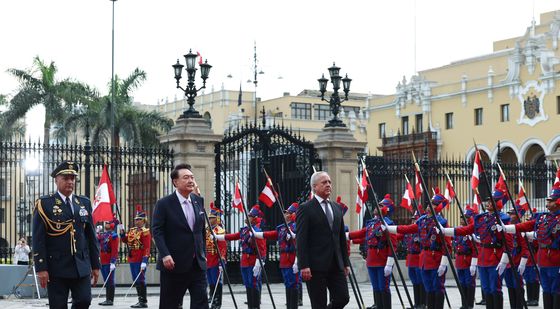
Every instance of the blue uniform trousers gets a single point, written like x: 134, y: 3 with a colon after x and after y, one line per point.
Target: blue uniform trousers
x: 379, y: 282
x: 465, y: 277
x: 489, y: 279
x: 511, y: 282
x: 291, y: 280
x: 135, y: 270
x: 431, y: 281
x: 250, y: 281
x: 550, y: 279
x: 415, y: 275
x: 212, y: 275
x: 105, y: 270
x: 530, y: 274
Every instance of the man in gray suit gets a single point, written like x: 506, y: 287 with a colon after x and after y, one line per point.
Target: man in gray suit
x: 321, y: 246
x: 178, y: 229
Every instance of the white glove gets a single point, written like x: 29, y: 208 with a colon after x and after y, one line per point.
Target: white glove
x: 220, y: 269
x: 295, y: 268
x: 120, y: 227
x: 98, y: 229
x: 384, y: 226
x: 442, y: 266
x: 522, y: 264
x: 392, y: 229
x: 530, y: 236
x: 259, y: 235
x: 220, y: 237
x: 437, y: 230
x: 510, y: 228
x: 449, y: 231
x: 503, y: 264
x: 474, y: 262
x: 347, y: 235
x: 476, y: 238
x: 290, y: 235
x: 143, y: 266
x: 112, y: 267
x: 388, y: 270
x: 257, y: 269
x: 500, y: 227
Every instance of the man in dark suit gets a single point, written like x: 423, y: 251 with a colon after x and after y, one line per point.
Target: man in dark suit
x: 178, y: 230
x: 321, y: 246
x: 66, y: 251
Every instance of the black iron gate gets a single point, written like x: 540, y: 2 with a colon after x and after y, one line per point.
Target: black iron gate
x: 242, y: 156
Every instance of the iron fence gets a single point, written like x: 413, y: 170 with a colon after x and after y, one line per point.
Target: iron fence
x: 140, y: 176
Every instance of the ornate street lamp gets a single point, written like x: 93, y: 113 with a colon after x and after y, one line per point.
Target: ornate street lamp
x: 335, y: 101
x: 190, y: 90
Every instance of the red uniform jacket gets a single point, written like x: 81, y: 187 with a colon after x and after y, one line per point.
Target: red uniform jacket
x: 464, y: 249
x: 547, y: 228
x: 212, y: 259
x: 249, y: 256
x: 109, y: 247
x: 138, y: 241
x: 287, y: 247
x: 376, y: 241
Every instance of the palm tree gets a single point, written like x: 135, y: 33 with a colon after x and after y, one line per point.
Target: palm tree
x: 58, y: 97
x: 139, y: 128
x: 15, y: 129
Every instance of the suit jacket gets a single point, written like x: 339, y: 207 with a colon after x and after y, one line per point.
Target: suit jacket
x: 173, y: 236
x: 317, y: 244
x: 54, y: 253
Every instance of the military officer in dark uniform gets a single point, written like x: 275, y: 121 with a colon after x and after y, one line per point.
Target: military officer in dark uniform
x: 66, y: 251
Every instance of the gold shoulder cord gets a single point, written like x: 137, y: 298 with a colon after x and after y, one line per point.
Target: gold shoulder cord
x: 57, y: 228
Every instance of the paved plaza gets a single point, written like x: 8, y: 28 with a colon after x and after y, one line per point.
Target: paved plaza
x: 239, y: 292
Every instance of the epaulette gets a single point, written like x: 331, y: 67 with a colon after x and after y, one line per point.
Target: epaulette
x: 145, y: 231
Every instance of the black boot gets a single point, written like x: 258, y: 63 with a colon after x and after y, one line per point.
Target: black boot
x: 300, y: 295
x: 439, y: 299
x: 472, y: 291
x: 249, y: 298
x: 210, y: 292
x: 142, y: 297
x: 217, y: 303
x: 534, y: 293
x: 386, y: 300
x: 548, y: 300
x: 512, y: 298
x: 519, y: 292
x: 424, y: 296
x: 109, y: 297
x: 489, y: 300
x: 498, y: 301
x: 417, y: 295
x: 257, y: 299
x: 430, y: 300
x: 293, y: 304
x: 556, y: 300
x: 464, y: 297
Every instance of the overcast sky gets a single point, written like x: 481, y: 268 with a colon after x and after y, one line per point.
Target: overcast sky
x: 372, y: 41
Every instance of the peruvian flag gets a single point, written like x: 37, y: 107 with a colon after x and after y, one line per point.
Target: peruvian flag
x: 477, y: 202
x: 268, y: 196
x: 477, y: 168
x: 449, y: 192
x: 104, y: 199
x: 557, y: 178
x: 237, y: 201
x: 407, y: 197
x: 522, y: 198
x: 362, y: 196
x: 501, y: 184
x: 418, y: 185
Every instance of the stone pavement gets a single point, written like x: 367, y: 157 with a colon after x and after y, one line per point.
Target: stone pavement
x: 239, y: 292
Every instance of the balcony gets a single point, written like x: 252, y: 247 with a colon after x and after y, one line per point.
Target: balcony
x: 401, y: 146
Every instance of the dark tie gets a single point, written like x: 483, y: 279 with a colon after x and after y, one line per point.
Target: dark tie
x: 328, y: 213
x: 69, y: 206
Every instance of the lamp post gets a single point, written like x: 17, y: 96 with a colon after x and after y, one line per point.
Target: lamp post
x: 190, y: 90
x: 113, y: 76
x: 335, y: 101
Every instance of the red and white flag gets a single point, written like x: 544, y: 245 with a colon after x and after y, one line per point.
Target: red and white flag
x: 237, y: 200
x: 268, y: 196
x: 557, y: 178
x: 522, y: 198
x: 362, y: 196
x: 407, y: 197
x: 104, y: 199
x: 477, y: 167
x: 501, y: 184
x: 418, y: 186
x: 449, y: 192
x: 477, y: 202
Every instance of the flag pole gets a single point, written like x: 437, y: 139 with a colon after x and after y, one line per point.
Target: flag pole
x: 461, y: 210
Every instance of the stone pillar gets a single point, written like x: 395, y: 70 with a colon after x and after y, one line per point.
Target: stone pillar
x: 192, y: 141
x: 338, y: 149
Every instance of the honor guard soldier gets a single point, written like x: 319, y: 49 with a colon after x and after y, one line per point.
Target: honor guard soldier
x: 250, y: 266
x: 66, y: 251
x: 379, y: 260
x: 532, y: 282
x: 287, y: 243
x: 546, y: 227
x: 433, y: 261
x: 109, y: 244
x: 213, y: 268
x: 492, y: 260
x: 138, y: 239
x: 520, y: 255
x: 413, y: 249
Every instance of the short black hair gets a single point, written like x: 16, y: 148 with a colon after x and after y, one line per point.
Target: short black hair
x: 180, y: 166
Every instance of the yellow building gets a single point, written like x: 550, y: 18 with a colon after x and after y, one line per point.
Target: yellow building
x: 511, y: 96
